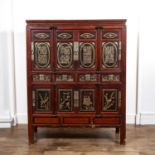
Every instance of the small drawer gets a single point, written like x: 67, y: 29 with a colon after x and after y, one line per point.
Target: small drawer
x: 41, y: 77
x: 76, y: 120
x: 43, y: 120
x: 106, y: 121
x: 110, y: 78
x: 87, y: 77
x: 64, y: 78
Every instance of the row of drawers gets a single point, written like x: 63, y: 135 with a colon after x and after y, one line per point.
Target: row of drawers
x: 76, y: 121
x: 80, y: 77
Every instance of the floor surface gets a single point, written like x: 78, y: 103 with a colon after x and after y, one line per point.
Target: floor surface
x: 78, y: 141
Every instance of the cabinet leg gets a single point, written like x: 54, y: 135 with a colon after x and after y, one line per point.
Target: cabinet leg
x: 31, y: 135
x: 35, y: 129
x: 117, y: 130
x: 122, y: 136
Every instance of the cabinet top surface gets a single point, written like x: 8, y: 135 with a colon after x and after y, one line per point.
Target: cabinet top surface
x: 87, y: 22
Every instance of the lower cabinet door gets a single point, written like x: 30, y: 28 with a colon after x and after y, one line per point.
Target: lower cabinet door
x: 65, y: 98
x: 110, y: 99
x: 87, y: 99
x: 42, y: 99
x: 75, y: 99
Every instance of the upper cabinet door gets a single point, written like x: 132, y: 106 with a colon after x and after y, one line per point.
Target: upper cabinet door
x: 41, y: 49
x: 76, y: 49
x: 87, y: 49
x: 64, y: 49
x: 110, y: 50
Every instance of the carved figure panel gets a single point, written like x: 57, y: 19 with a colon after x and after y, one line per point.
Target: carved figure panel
x: 87, y: 101
x: 109, y: 100
x: 42, y: 99
x: 65, y: 99
x: 64, y: 55
x: 42, y: 54
x: 109, y: 54
x: 87, y: 55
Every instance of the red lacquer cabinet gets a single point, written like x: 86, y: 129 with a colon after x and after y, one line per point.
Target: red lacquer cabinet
x: 76, y: 74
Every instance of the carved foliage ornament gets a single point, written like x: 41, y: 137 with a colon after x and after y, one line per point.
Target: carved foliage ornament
x: 109, y: 99
x: 65, y: 99
x: 87, y: 55
x: 42, y: 54
x: 109, y: 54
x: 42, y: 99
x: 64, y: 55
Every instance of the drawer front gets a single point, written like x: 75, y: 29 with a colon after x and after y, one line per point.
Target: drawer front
x: 76, y: 120
x: 106, y: 121
x: 43, y: 120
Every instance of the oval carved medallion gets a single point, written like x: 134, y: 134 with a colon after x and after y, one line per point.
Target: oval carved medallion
x: 109, y: 54
x: 87, y: 55
x: 42, y: 54
x: 64, y: 55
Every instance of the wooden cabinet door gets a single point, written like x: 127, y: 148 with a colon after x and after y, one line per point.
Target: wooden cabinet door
x: 76, y: 49
x: 110, y: 97
x: 41, y: 49
x: 110, y: 50
x: 65, y: 99
x: 87, y: 40
x: 42, y: 99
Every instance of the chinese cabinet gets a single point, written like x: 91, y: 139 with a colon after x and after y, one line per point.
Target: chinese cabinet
x: 76, y: 74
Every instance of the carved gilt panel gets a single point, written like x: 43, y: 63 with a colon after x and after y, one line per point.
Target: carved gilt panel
x: 87, y: 100
x: 110, y: 77
x: 110, y: 35
x: 41, y: 54
x: 110, y: 54
x: 65, y: 100
x: 41, y: 78
x: 87, y: 35
x: 88, y: 77
x: 42, y: 35
x: 64, y: 35
x: 42, y: 99
x: 109, y: 100
x: 64, y: 55
x: 87, y: 55
x: 64, y: 77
